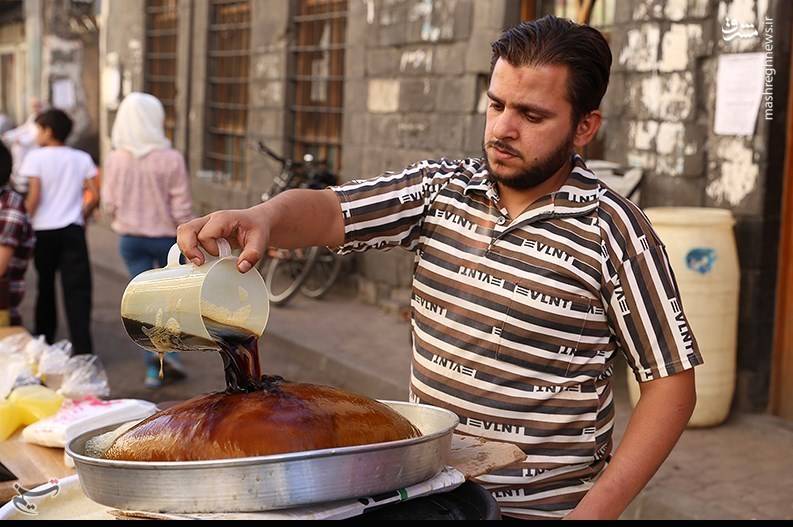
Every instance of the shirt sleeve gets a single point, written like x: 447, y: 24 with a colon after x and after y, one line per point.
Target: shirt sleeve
x: 646, y: 316
x: 181, y: 202
x: 30, y: 166
x: 90, y: 169
x: 12, y: 224
x: 388, y: 211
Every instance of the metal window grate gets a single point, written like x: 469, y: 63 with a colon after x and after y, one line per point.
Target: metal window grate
x: 317, y: 82
x: 160, y: 64
x: 228, y: 66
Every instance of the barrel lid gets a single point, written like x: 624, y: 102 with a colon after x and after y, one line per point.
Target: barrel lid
x: 690, y: 216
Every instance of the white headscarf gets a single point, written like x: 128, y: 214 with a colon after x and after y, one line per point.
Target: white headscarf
x: 139, y: 125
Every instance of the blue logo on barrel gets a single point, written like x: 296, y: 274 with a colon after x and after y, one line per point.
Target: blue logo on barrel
x: 701, y: 259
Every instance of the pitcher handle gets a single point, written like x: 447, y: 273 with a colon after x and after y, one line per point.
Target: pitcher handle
x: 224, y: 248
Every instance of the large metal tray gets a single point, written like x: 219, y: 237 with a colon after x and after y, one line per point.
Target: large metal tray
x: 270, y: 482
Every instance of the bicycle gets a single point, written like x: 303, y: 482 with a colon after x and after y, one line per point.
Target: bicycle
x: 311, y: 271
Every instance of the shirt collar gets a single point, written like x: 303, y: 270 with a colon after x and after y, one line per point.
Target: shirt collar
x: 578, y: 196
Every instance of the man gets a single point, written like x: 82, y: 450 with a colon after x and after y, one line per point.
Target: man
x: 530, y: 278
x: 16, y: 239
x: 57, y: 176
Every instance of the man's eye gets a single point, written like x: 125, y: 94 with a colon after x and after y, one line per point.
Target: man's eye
x: 533, y: 118
x: 496, y: 106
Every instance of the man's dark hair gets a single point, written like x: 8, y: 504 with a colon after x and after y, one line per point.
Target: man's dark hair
x: 6, y: 164
x: 57, y: 121
x: 557, y: 41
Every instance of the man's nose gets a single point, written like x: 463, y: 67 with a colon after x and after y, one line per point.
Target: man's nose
x: 506, y: 125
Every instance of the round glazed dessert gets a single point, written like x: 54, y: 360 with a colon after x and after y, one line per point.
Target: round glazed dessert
x: 280, y: 417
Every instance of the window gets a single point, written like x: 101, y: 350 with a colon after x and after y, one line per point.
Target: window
x: 160, y: 64
x: 317, y: 83
x: 228, y: 64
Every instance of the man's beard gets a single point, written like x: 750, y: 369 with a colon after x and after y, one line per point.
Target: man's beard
x: 536, y: 174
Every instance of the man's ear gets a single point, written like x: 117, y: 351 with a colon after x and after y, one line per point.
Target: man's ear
x: 587, y: 128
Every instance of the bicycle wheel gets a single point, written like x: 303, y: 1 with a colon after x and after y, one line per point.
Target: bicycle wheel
x: 323, y: 274
x: 285, y: 271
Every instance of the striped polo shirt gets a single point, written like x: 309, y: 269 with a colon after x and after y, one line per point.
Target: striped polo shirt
x: 517, y: 322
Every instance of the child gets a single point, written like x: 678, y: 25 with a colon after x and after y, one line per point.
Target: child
x: 16, y: 238
x: 57, y: 176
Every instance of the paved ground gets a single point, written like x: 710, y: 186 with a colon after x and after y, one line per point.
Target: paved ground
x: 740, y: 470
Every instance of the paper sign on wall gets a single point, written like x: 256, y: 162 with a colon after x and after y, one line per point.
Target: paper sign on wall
x: 739, y: 91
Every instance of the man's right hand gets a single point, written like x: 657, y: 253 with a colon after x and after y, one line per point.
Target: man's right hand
x: 242, y: 228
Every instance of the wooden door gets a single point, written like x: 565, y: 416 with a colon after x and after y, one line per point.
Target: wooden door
x: 781, y: 400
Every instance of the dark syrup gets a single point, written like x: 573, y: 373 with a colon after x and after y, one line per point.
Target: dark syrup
x: 239, y: 350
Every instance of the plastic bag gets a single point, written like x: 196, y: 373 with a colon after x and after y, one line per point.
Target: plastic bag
x: 16, y: 371
x: 77, y: 417
x: 34, y: 349
x: 54, y: 363
x: 84, y: 377
x: 16, y: 342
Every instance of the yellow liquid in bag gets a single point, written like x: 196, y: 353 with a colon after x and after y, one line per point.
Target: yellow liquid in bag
x: 35, y: 402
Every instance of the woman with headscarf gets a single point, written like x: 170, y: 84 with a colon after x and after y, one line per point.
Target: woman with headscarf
x: 146, y: 193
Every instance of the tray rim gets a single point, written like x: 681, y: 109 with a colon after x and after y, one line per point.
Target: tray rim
x: 264, y: 460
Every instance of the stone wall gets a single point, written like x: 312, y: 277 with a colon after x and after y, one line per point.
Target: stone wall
x: 416, y: 73
x: 663, y: 94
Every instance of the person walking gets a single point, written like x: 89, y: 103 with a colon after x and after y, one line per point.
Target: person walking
x: 146, y: 194
x: 57, y: 176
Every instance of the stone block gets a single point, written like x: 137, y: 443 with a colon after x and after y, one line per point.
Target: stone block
x: 416, y: 130
x: 700, y: 8
x: 669, y: 97
x: 417, y: 95
x: 474, y: 135
x: 383, y: 130
x: 613, y: 103
x: 356, y: 92
x: 642, y: 134
x: 682, y: 44
x: 383, y: 96
x: 639, y: 50
x: 734, y: 176
x: 352, y: 163
x: 355, y: 128
x: 266, y: 124
x: 393, y: 35
x: 648, y: 9
x: 449, y: 58
x: 489, y: 15
x: 355, y: 62
x: 267, y: 94
x: 675, y: 10
x: 463, y: 18
x: 449, y: 133
x: 477, y: 55
x: 457, y: 94
x: 416, y: 61
x: 269, y: 66
x: 382, y: 62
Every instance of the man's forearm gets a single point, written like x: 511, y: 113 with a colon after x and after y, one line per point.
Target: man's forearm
x: 303, y: 218
x: 658, y: 420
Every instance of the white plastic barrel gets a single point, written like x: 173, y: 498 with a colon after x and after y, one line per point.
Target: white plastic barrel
x: 702, y: 251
